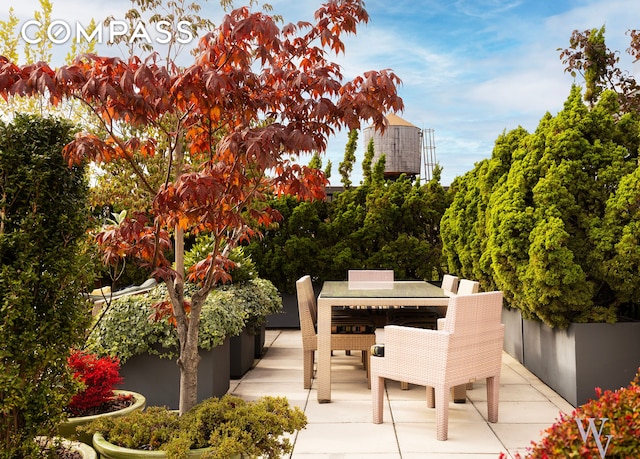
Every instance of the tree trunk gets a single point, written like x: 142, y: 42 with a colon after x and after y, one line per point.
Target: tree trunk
x: 188, y: 361
x: 189, y: 357
x: 188, y: 334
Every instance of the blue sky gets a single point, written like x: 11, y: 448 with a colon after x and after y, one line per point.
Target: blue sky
x: 470, y: 69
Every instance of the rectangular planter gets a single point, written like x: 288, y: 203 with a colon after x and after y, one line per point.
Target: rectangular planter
x: 158, y: 379
x: 243, y: 348
x: 260, y: 339
x: 513, y: 341
x: 288, y: 318
x: 573, y: 362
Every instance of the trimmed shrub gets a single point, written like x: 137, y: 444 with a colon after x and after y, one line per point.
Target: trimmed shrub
x: 608, y: 426
x: 98, y: 375
x: 43, y: 270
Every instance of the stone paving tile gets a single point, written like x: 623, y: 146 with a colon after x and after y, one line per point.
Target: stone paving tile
x: 343, y: 429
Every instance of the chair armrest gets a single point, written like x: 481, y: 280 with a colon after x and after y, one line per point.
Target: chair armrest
x: 415, y: 346
x: 409, y: 351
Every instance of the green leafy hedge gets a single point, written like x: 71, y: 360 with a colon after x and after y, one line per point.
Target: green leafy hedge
x: 125, y: 328
x: 379, y: 225
x: 552, y: 219
x: 43, y: 271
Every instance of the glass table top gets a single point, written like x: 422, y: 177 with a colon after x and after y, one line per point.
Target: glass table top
x: 397, y: 289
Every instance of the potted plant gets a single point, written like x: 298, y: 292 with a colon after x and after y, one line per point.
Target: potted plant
x: 608, y: 426
x: 97, y: 398
x: 256, y: 299
x: 219, y: 428
x: 148, y: 349
x: 266, y: 302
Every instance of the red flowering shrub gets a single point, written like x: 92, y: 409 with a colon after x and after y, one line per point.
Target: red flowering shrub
x: 607, y: 427
x: 99, y: 376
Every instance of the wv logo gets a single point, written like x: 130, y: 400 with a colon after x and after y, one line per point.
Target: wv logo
x: 597, y: 434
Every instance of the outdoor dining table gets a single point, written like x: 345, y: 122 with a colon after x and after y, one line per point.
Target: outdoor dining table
x: 366, y: 294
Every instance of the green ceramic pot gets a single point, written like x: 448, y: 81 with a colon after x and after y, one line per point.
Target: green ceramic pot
x: 85, y: 450
x: 110, y: 451
x: 68, y: 428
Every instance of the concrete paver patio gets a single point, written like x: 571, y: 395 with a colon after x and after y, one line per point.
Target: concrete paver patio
x: 343, y: 428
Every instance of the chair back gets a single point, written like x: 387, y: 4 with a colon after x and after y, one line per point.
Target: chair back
x: 477, y: 336
x: 450, y: 283
x: 371, y: 275
x: 474, y: 314
x: 370, y: 278
x: 467, y: 287
x: 307, y: 308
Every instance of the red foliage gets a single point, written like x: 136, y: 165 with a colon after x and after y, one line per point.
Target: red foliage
x: 256, y: 96
x: 99, y: 375
x: 134, y: 238
x: 270, y: 92
x: 164, y: 310
x: 620, y: 408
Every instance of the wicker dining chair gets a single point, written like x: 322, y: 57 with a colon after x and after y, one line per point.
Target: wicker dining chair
x: 366, y: 279
x: 375, y: 276
x: 449, y: 283
x: 342, y: 339
x: 468, y: 348
x: 467, y: 287
x: 421, y: 318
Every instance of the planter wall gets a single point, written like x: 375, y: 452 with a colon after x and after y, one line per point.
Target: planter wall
x: 289, y: 317
x: 85, y: 450
x: 159, y: 378
x: 573, y: 362
x: 242, y: 352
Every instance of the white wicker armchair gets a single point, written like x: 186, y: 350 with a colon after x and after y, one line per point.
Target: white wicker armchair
x: 468, y: 348
x: 308, y: 312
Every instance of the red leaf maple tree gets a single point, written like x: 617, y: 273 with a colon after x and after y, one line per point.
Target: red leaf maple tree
x: 256, y: 97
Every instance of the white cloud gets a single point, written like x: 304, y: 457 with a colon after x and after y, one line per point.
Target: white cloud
x: 470, y: 68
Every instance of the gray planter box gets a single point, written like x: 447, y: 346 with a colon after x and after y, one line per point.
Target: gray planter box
x: 513, y: 340
x: 573, y: 362
x: 243, y: 348
x: 260, y: 339
x: 288, y: 318
x: 159, y: 379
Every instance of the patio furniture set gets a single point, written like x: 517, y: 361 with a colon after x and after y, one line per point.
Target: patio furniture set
x: 462, y: 345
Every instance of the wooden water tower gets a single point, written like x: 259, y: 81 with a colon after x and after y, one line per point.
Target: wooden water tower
x: 402, y: 143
